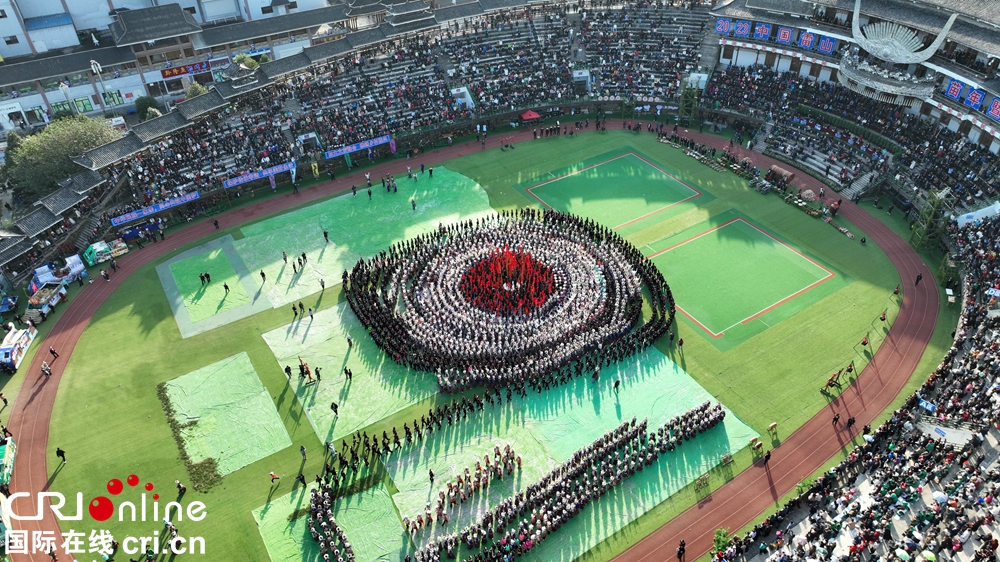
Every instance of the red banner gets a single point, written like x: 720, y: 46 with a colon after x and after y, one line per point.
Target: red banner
x: 183, y: 70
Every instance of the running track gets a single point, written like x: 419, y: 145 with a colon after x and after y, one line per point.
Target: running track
x: 733, y: 505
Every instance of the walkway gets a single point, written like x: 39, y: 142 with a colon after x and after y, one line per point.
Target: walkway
x: 733, y: 505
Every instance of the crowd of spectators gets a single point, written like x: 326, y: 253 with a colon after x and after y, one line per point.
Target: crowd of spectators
x: 511, y: 59
x: 933, y: 156
x: 903, y: 490
x: 642, y: 51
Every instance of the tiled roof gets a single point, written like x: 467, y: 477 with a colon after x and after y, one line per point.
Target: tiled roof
x: 47, y: 67
x: 328, y: 50
x: 366, y: 37
x: 424, y: 16
x: 490, y: 5
x: 411, y: 27
x: 286, y: 65
x: 225, y: 34
x: 82, y: 182
x: 364, y: 10
x: 107, y: 154
x: 150, y: 130
x: 796, y: 7
x: 230, y: 89
x: 460, y: 11
x: 60, y: 200
x: 200, y: 105
x: 926, y: 16
x: 151, y: 24
x: 13, y: 246
x: 36, y: 222
x: 408, y: 7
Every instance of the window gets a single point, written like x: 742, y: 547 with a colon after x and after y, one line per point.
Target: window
x: 293, y: 5
x: 3, y: 14
x: 113, y: 98
x: 191, y: 10
x: 58, y: 106
x: 11, y: 40
x: 267, y: 10
x: 83, y: 105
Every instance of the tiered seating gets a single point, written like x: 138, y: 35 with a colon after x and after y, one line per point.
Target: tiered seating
x: 642, y: 51
x: 935, y: 157
x: 828, y: 158
x: 514, y: 61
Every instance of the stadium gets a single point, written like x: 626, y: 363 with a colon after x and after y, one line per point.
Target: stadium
x: 568, y: 280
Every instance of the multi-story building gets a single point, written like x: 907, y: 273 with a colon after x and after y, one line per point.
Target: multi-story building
x: 39, y: 26
x: 157, y: 51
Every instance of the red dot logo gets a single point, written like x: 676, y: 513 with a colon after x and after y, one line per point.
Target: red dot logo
x: 101, y: 508
x: 149, y: 486
x: 115, y: 486
x: 133, y: 480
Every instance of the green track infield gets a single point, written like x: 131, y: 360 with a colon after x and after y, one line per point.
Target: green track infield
x: 204, y: 300
x: 737, y: 275
x: 226, y: 414
x: 619, y: 191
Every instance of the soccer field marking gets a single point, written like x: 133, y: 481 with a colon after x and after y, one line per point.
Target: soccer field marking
x: 555, y: 178
x: 765, y: 310
x: 694, y: 193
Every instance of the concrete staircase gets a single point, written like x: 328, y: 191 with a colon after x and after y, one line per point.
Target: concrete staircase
x: 859, y: 185
x: 86, y: 235
x: 760, y: 139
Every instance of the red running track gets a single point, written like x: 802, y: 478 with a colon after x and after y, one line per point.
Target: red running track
x: 897, y: 358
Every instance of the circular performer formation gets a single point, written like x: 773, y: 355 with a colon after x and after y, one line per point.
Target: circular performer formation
x: 520, y: 297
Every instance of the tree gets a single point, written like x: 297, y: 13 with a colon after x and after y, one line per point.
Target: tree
x: 44, y: 158
x: 195, y: 90
x: 153, y: 113
x: 142, y: 105
x: 245, y: 61
x: 13, y: 143
x: 720, y: 541
x: 264, y: 58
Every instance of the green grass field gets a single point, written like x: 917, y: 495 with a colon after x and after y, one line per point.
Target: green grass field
x: 203, y: 300
x: 733, y: 279
x: 768, y: 373
x: 618, y: 192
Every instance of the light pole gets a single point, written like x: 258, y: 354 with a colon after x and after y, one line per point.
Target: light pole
x: 72, y: 106
x: 95, y: 67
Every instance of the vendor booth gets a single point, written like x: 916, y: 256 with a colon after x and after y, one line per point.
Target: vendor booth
x: 15, y: 345
x: 41, y: 302
x: 49, y: 273
x: 100, y: 252
x: 530, y: 116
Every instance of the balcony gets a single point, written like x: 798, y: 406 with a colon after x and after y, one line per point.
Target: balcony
x: 860, y: 76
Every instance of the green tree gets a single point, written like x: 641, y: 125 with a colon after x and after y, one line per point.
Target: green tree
x: 245, y: 60
x: 13, y: 143
x: 720, y: 541
x: 42, y: 159
x: 143, y: 104
x: 264, y: 58
x: 195, y: 90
